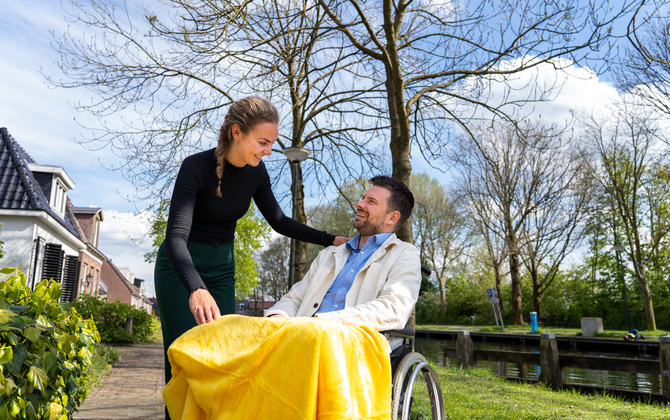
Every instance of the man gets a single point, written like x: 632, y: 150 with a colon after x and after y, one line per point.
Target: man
x: 373, y: 279
x: 318, y: 354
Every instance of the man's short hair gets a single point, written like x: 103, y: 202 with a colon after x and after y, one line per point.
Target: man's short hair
x: 401, y: 198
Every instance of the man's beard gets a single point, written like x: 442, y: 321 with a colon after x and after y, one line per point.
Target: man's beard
x: 368, y: 227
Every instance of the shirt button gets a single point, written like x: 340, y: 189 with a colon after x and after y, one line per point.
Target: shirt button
x: 336, y: 306
x: 352, y: 271
x: 316, y: 305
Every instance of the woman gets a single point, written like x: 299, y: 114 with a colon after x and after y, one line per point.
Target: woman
x: 195, y: 267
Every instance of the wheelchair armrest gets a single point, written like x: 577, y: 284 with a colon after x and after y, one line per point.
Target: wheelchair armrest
x: 406, y: 332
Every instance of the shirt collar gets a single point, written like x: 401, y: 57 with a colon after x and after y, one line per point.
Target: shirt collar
x: 372, y: 240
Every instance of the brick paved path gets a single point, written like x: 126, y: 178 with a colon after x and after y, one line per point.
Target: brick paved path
x: 133, y: 388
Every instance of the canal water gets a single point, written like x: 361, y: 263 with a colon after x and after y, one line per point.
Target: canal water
x: 433, y: 350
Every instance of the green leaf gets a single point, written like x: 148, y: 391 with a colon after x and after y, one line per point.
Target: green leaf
x: 8, y: 270
x: 9, y: 386
x: 32, y: 334
x: 6, y: 355
x: 49, y: 363
x: 11, y: 338
x: 20, y: 354
x: 14, y: 409
x: 5, y: 316
x: 72, y: 387
x: 37, y: 377
x: 52, y: 411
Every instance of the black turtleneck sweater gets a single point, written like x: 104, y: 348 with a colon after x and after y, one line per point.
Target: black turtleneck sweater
x: 197, y: 214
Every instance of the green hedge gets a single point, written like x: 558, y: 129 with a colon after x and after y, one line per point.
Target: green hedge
x: 110, y: 318
x: 44, y: 347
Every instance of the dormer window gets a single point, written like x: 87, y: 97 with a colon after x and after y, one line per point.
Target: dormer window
x: 55, y: 184
x: 59, y: 198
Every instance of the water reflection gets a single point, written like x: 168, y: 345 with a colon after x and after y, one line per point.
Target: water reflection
x: 433, y: 350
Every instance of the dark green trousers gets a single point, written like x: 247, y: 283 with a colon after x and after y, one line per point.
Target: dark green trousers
x: 216, y: 265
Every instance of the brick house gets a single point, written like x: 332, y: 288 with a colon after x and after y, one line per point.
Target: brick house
x: 91, y: 258
x: 121, y: 287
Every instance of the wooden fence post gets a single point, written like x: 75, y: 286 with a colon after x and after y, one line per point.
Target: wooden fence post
x: 551, y: 373
x: 664, y: 356
x: 465, y: 349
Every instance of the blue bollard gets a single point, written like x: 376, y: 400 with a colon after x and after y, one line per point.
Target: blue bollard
x: 533, y: 322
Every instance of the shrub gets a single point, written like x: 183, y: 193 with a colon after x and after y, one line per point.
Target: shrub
x: 44, y: 347
x: 110, y: 318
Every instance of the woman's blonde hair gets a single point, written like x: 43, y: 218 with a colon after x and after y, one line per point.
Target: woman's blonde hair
x: 246, y: 113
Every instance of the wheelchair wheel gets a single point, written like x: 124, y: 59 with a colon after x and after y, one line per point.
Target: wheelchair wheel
x: 416, y: 391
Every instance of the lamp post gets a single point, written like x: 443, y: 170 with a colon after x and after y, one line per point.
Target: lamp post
x: 295, y: 155
x: 620, y: 248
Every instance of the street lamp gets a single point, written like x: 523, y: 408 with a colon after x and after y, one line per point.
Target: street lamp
x: 89, y: 279
x: 620, y: 248
x: 295, y: 155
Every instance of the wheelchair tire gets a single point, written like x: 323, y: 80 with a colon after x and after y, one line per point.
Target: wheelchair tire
x: 416, y: 390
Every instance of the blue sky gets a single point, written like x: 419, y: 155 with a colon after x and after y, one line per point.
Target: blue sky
x: 43, y: 121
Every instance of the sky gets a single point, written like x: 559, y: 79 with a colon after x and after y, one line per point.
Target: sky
x: 42, y: 120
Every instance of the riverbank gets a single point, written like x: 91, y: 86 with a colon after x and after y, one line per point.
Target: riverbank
x: 478, y: 394
x: 526, y: 329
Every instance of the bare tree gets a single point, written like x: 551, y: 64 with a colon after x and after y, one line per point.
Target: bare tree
x: 646, y: 69
x: 443, y: 62
x: 509, y: 176
x: 556, y: 224
x: 439, y: 228
x: 495, y: 248
x: 633, y: 172
x: 273, y: 266
x: 167, y: 76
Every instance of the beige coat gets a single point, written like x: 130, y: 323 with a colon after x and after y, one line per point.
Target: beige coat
x: 382, y: 295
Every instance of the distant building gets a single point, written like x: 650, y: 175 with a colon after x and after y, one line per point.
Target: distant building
x: 49, y: 238
x: 251, y: 307
x: 120, y: 286
x: 39, y: 229
x: 91, y: 258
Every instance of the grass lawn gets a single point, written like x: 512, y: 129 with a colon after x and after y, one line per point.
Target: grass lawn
x: 477, y: 394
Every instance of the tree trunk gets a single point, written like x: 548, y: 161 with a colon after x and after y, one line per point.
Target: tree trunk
x: 514, y: 271
x: 443, y: 300
x: 400, y: 129
x: 300, y: 262
x: 537, y: 296
x: 496, y: 270
x: 517, y: 315
x: 646, y: 297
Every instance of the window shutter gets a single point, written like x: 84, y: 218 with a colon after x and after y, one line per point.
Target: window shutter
x: 52, y: 268
x: 70, y: 277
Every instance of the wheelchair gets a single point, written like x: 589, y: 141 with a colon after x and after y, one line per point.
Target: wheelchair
x: 416, y: 390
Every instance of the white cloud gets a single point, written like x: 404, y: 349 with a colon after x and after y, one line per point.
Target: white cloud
x: 124, y: 239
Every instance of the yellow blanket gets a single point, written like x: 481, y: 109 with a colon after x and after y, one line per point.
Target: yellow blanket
x: 279, y: 368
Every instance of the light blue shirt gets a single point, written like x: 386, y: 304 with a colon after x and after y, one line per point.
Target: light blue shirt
x: 337, y: 294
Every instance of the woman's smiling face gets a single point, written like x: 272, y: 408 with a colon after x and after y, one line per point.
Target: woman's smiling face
x: 250, y: 148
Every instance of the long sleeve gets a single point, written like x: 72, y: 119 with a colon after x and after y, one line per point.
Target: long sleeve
x: 269, y: 208
x: 180, y: 219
